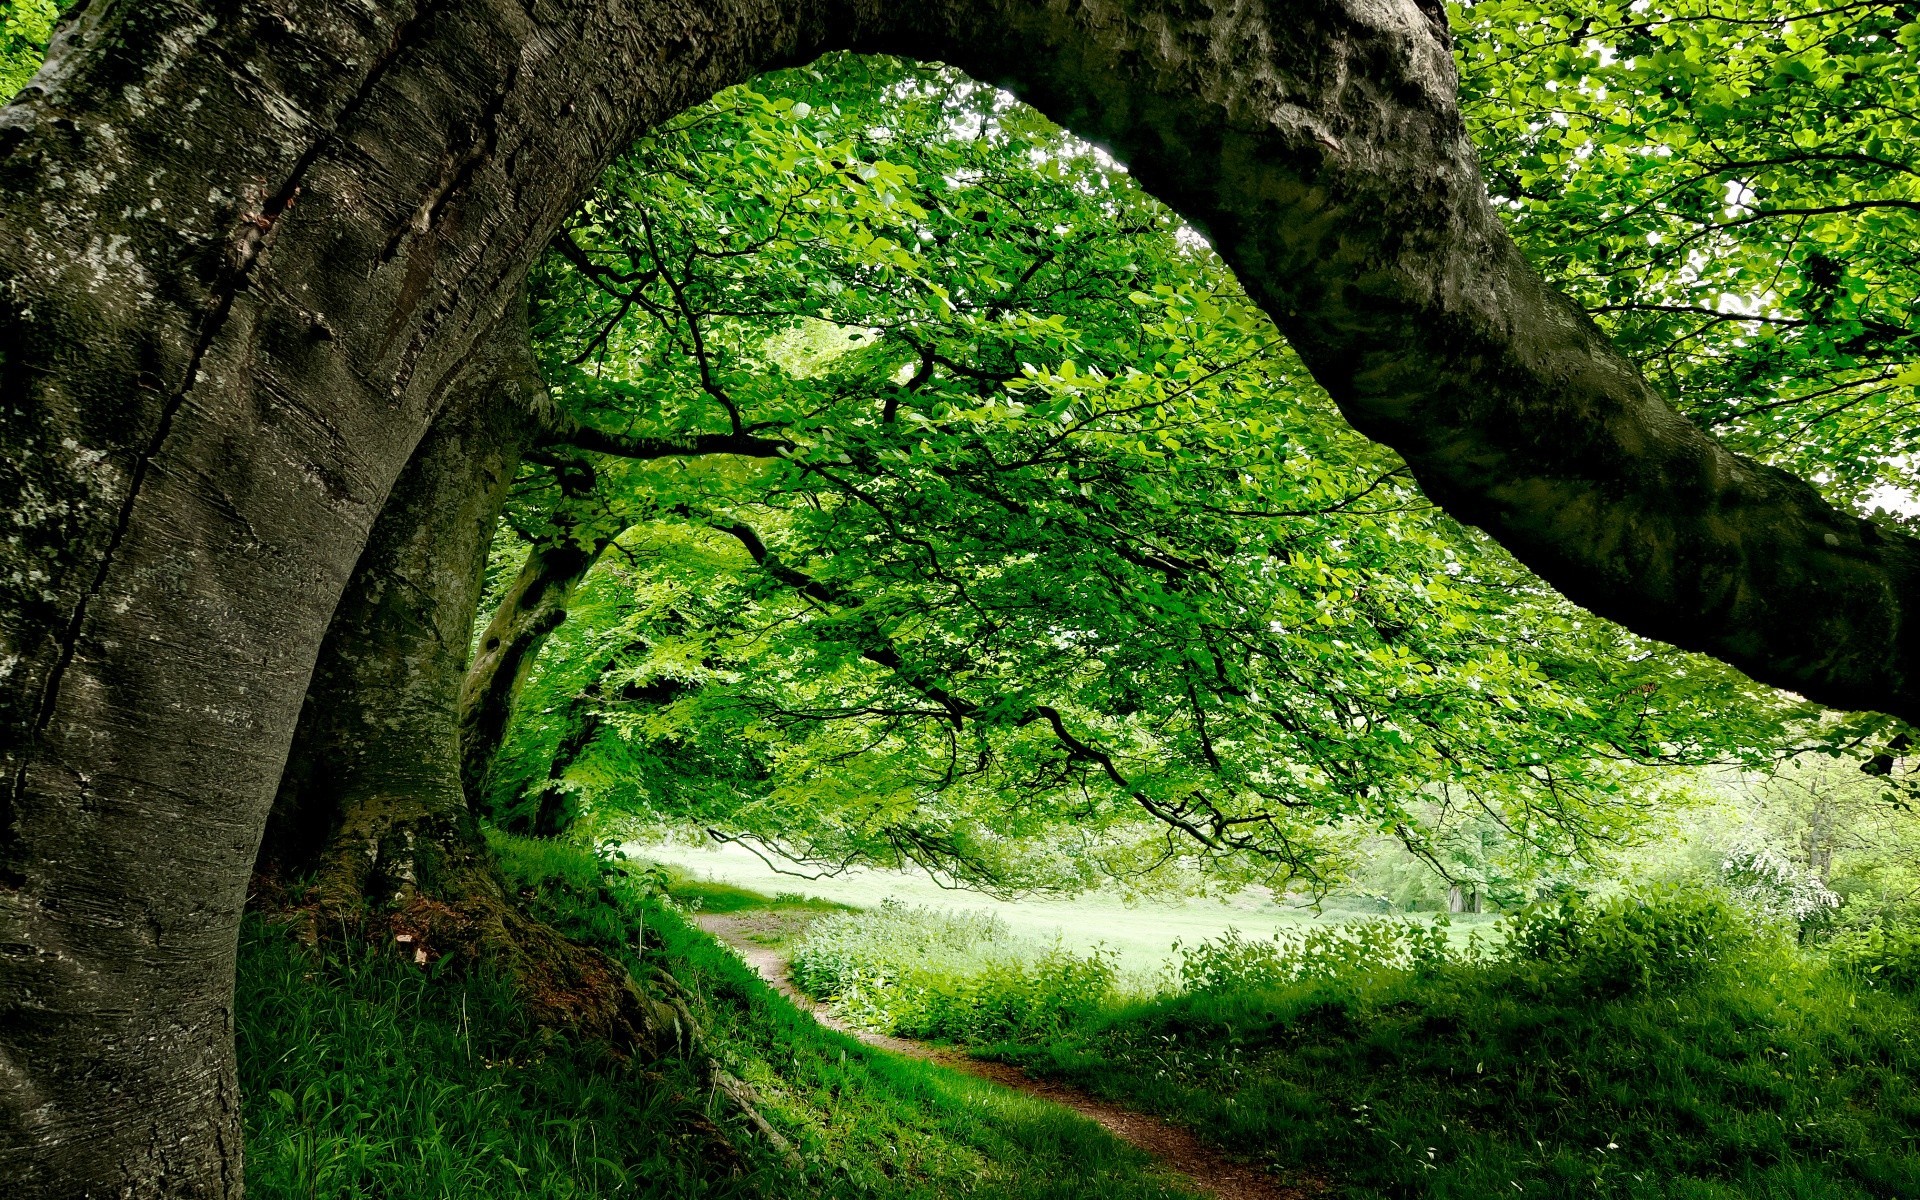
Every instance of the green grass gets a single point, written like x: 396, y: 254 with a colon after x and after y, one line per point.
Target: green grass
x: 365, y: 1076
x: 1764, y: 1075
x: 1660, y: 1048
x: 704, y: 895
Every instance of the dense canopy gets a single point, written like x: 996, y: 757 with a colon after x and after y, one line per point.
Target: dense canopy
x: 1028, y: 552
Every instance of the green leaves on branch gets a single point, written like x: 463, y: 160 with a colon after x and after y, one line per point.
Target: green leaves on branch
x: 1065, y: 569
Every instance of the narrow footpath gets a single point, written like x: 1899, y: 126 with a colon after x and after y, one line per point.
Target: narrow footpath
x: 1206, y: 1170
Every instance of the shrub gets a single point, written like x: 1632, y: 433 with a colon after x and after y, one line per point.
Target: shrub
x: 959, y: 976
x: 1775, y: 888
x: 1233, y: 962
x: 1629, y: 943
x: 1886, y: 956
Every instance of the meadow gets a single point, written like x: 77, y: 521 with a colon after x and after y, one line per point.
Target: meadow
x: 1138, y: 932
x: 1661, y: 1045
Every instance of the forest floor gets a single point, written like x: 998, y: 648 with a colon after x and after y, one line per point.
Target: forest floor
x: 758, y: 937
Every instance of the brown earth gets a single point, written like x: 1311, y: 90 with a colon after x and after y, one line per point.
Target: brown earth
x: 1204, y: 1168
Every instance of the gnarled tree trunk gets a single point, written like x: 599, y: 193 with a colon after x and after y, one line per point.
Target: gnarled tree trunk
x: 371, y: 833
x: 535, y: 604
x: 246, y: 248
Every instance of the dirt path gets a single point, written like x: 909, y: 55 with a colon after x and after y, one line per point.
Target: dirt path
x: 1207, y: 1171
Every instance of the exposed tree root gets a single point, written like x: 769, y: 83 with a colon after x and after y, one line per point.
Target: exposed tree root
x: 564, y: 986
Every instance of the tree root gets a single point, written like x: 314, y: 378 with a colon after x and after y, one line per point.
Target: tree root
x: 562, y: 984
x: 722, y: 1081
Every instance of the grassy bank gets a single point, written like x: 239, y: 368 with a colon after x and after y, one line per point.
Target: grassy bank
x: 1627, y: 1050
x: 365, y: 1076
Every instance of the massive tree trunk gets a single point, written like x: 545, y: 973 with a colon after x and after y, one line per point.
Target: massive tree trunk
x: 246, y: 248
x: 371, y: 833
x: 241, y: 261
x: 370, y: 811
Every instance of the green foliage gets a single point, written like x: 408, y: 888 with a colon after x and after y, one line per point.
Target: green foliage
x: 1630, y: 943
x: 1236, y: 963
x: 1058, y: 548
x: 1731, y: 189
x: 952, y: 976
x: 1882, y: 956
x: 1721, y: 1072
x: 365, y: 1076
x: 25, y: 26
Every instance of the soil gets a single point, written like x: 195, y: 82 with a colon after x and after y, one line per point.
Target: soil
x: 1205, y: 1169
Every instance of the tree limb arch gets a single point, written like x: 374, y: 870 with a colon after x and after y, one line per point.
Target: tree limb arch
x: 1319, y: 145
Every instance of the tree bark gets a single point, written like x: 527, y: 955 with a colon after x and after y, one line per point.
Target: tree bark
x: 534, y: 606
x: 370, y: 809
x: 246, y: 248
x: 371, y: 833
x: 243, y: 257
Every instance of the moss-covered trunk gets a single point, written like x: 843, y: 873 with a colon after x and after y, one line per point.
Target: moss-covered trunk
x: 370, y: 834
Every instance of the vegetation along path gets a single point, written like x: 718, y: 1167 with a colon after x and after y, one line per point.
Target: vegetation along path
x: 1206, y: 1169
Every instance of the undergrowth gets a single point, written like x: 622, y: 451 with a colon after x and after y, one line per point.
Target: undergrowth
x: 1630, y: 1049
x: 1660, y: 1047
x: 365, y: 1076
x: 952, y: 976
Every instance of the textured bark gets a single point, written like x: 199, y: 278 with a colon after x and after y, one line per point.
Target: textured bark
x: 246, y: 248
x: 371, y: 833
x: 241, y: 261
x: 370, y: 813
x: 534, y: 605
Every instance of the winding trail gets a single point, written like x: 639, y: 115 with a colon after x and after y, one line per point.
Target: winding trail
x: 1205, y: 1169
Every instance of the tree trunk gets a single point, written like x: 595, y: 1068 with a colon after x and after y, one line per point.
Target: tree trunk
x: 370, y: 808
x: 551, y: 812
x: 371, y: 833
x: 534, y: 606
x: 246, y: 248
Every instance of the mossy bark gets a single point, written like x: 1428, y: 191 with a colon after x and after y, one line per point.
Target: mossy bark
x: 371, y: 835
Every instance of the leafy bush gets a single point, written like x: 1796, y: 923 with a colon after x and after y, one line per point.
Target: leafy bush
x: 1886, y: 956
x: 1236, y: 963
x: 958, y: 976
x: 1629, y: 943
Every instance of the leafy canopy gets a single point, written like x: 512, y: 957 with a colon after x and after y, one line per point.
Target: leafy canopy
x: 1044, y: 560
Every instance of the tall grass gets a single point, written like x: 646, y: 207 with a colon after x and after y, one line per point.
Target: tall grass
x: 364, y: 1076
x: 953, y: 976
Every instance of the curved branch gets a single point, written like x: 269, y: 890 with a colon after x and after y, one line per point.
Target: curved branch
x: 566, y: 431
x: 1358, y: 218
